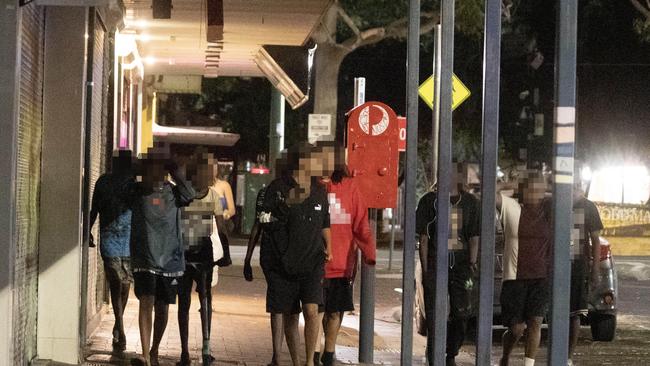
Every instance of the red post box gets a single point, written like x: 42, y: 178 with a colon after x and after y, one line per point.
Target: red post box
x: 373, y: 156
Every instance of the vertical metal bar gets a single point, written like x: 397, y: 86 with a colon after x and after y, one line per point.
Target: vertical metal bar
x: 367, y: 315
x: 491, y: 67
x: 441, y: 263
x: 564, y: 137
x: 391, y: 248
x: 276, y: 128
x: 87, y: 159
x: 435, y: 129
x: 408, y: 265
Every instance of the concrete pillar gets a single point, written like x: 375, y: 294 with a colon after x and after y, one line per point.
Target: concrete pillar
x: 276, y: 131
x: 60, y: 255
x: 8, y: 147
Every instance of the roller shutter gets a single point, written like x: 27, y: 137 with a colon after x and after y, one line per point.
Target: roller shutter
x: 30, y: 123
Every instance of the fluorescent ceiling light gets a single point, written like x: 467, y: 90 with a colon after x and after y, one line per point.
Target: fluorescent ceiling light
x: 280, y: 80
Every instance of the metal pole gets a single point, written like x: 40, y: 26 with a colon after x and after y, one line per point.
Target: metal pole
x: 491, y: 66
x: 435, y: 130
x: 564, y: 137
x: 276, y: 127
x: 408, y: 265
x: 441, y: 264
x: 367, y: 316
x: 391, y: 248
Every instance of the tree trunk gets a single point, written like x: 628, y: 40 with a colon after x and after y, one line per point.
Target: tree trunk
x: 328, y: 63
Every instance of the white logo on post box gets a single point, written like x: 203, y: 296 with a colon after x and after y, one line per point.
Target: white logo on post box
x: 377, y: 128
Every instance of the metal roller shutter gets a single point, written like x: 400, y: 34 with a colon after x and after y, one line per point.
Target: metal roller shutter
x: 97, y: 161
x: 30, y: 125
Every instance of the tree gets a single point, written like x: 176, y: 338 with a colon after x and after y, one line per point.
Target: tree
x: 352, y: 24
x: 642, y: 25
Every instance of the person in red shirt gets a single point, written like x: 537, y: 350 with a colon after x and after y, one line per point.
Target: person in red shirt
x: 350, y: 231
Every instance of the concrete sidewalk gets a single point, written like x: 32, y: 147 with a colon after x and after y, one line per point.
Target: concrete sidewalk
x: 241, y: 330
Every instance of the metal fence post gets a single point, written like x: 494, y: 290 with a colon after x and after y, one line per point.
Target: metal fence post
x: 408, y: 265
x: 491, y: 68
x: 444, y: 184
x: 564, y: 137
x: 367, y: 315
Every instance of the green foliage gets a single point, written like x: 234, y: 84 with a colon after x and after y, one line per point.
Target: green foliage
x: 242, y: 105
x: 368, y: 14
x: 642, y: 27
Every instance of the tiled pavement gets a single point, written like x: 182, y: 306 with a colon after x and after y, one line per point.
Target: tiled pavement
x: 241, y: 330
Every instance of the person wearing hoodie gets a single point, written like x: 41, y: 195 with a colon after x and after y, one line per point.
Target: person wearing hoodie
x: 156, y: 244
x: 350, y: 231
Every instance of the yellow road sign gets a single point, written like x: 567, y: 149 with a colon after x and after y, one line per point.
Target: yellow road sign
x: 459, y: 91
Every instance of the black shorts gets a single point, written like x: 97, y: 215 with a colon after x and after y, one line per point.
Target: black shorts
x: 118, y: 269
x: 579, y: 287
x: 198, y: 273
x: 164, y: 289
x: 337, y: 295
x: 285, y: 293
x: 524, y: 299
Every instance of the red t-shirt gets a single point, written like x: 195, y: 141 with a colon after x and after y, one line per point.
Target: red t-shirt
x: 535, y: 241
x: 349, y: 228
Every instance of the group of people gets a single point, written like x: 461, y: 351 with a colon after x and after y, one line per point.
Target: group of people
x: 312, y: 221
x: 163, y: 228
x: 525, y: 214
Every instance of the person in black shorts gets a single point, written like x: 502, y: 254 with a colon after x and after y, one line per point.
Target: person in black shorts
x: 525, y: 298
x: 115, y: 231
x: 156, y: 245
x: 585, y: 254
x: 296, y: 217
x: 463, y: 244
x: 198, y: 222
x: 350, y: 230
x: 256, y: 234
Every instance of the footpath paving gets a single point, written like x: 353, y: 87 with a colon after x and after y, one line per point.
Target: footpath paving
x: 241, y: 334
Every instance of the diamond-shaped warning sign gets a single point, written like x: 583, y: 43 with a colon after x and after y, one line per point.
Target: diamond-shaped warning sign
x: 459, y: 91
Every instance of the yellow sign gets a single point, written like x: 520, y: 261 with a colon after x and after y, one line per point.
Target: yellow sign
x: 459, y: 92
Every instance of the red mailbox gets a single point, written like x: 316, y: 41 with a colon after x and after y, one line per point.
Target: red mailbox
x: 373, y: 156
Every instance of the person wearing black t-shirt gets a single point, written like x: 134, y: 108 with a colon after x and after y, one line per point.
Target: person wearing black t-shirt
x: 585, y: 258
x: 463, y: 244
x: 296, y: 244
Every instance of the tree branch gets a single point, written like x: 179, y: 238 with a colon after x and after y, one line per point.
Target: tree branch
x: 348, y: 21
x: 395, y: 29
x: 642, y: 9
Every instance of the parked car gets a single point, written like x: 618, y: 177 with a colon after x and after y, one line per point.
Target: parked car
x: 601, y: 299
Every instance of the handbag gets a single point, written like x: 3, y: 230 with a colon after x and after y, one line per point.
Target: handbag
x: 217, y: 247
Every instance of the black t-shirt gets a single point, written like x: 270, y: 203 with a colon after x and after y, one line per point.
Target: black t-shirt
x: 586, y: 220
x: 295, y: 234
x: 465, y: 219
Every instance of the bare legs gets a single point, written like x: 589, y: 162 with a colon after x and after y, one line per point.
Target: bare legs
x: 150, y: 350
x: 145, y: 322
x: 290, y: 323
x: 574, y: 332
x: 119, y: 297
x: 312, y: 330
x: 276, y: 334
x: 516, y: 331
x: 332, y: 325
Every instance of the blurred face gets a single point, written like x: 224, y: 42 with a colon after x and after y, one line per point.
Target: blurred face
x: 458, y: 177
x: 316, y: 163
x: 204, y: 172
x: 153, y: 173
x: 533, y: 191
